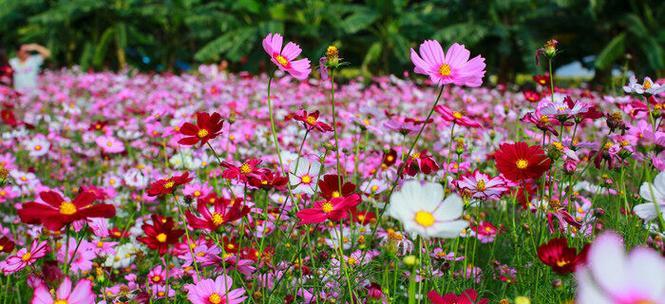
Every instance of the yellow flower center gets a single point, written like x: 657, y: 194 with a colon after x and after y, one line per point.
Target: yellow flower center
x: 38, y: 147
x: 480, y: 185
x: 327, y: 207
x: 444, y: 70
x: 561, y: 263
x: 311, y: 120
x: 202, y: 133
x: 282, y: 60
x: 352, y: 261
x: 156, y: 278
x: 67, y: 208
x: 169, y: 185
x: 424, y: 218
x: 375, y: 188
x: 522, y: 163
x: 306, y: 179
x: 100, y: 244
x: 244, y: 169
x: 217, y: 219
x: 336, y: 194
x: 109, y: 144
x: 558, y: 145
x: 197, y: 193
x: 26, y: 257
x: 415, y: 155
x: 544, y: 119
x: 161, y: 238
x: 60, y: 302
x: 215, y: 298
x: 457, y: 115
x: 647, y: 84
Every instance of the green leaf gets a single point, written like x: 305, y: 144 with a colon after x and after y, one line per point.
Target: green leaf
x: 611, y: 52
x: 359, y: 20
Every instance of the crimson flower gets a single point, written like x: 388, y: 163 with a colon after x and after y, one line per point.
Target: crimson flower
x: 519, y: 161
x: 6, y: 245
x: 160, y: 234
x: 420, y: 162
x: 469, y: 296
x: 222, y: 212
x: 169, y: 185
x: 268, y: 180
x: 8, y: 118
x: 389, y: 158
x: 456, y: 117
x: 329, y: 187
x: 208, y: 126
x: 334, y: 210
x: 310, y: 120
x: 56, y: 212
x: 364, y: 217
x: 242, y: 173
x: 561, y: 258
x: 531, y: 96
x: 543, y: 80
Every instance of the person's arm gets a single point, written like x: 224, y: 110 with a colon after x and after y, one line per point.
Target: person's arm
x: 44, y: 52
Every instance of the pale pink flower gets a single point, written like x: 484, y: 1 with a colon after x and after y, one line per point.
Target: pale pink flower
x: 285, y: 58
x: 610, y: 276
x: 81, y: 294
x: 218, y: 291
x: 453, y: 66
x: 110, y: 144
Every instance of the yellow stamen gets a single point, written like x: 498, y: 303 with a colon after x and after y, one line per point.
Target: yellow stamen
x: 67, y: 208
x: 444, y: 70
x: 424, y: 218
x: 202, y: 133
x: 522, y: 164
x: 161, y: 238
x: 327, y: 207
x: 282, y: 60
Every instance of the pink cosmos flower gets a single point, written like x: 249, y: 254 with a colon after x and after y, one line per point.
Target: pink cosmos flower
x: 215, y: 292
x: 285, y: 58
x: 612, y: 277
x: 23, y: 257
x: 110, y: 144
x: 456, y: 117
x: 481, y: 186
x: 451, y: 67
x: 81, y: 294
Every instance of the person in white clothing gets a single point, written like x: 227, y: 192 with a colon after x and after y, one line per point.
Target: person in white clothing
x: 26, y: 66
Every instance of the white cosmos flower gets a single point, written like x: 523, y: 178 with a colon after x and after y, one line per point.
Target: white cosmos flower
x: 649, y: 193
x: 420, y: 208
x: 305, y: 178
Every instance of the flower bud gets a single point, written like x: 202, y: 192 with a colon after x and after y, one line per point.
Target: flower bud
x: 332, y: 54
x: 550, y: 48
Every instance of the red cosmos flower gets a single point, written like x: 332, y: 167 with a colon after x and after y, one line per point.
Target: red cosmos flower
x: 55, y: 213
x: 420, y: 162
x: 98, y: 125
x: 469, y: 296
x: 456, y: 117
x: 542, y: 122
x: 208, y: 126
x: 310, y: 121
x: 531, y: 96
x: 543, y: 80
x: 169, y: 185
x: 561, y: 258
x: 389, y: 158
x: 8, y: 118
x: 245, y: 171
x: 334, y: 210
x: 160, y: 234
x: 519, y: 161
x: 268, y: 180
x: 221, y: 213
x: 329, y: 187
x: 6, y: 245
x: 364, y: 217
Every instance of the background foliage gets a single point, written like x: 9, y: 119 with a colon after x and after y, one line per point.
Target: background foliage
x: 374, y: 35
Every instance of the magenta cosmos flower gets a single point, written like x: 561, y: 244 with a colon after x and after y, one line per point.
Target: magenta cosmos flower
x: 215, y: 292
x: 453, y: 66
x: 81, y: 294
x: 24, y: 257
x: 285, y: 58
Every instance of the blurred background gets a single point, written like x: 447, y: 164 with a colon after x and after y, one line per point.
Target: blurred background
x: 596, y: 36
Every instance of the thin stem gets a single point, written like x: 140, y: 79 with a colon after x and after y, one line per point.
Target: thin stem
x: 334, y: 125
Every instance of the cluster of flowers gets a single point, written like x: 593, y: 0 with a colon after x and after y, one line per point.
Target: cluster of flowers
x: 231, y: 188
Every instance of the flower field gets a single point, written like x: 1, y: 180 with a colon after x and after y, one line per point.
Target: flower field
x: 295, y: 187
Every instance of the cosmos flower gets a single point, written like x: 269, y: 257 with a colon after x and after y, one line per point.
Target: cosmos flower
x: 24, y: 257
x: 469, y: 296
x: 653, y: 193
x: 305, y: 177
x: 611, y: 276
x: 481, y: 186
x: 55, y: 212
x: 81, y: 293
x: 647, y: 87
x: 168, y: 185
x: 38, y: 146
x: 456, y: 117
x: 248, y: 169
x: 334, y: 209
x: 221, y: 213
x: 218, y: 291
x: 284, y: 59
x: 419, y: 207
x: 485, y: 232
x: 208, y: 126
x: 110, y: 144
x: 420, y: 162
x: 160, y: 235
x: 310, y: 121
x: 519, y: 161
x: 561, y: 258
x: 329, y: 186
x: 452, y: 67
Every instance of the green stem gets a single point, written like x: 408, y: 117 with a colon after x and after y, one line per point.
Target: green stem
x: 334, y: 125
